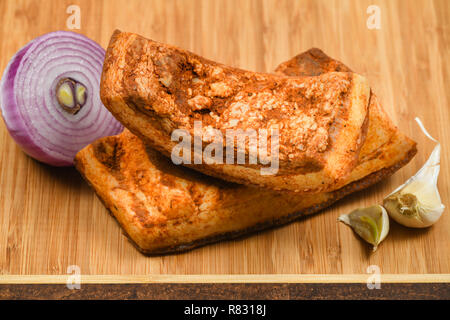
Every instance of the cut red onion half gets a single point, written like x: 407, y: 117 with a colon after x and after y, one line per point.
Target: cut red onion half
x: 49, y: 97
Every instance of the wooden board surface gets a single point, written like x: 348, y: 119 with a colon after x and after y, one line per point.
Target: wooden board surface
x: 50, y: 218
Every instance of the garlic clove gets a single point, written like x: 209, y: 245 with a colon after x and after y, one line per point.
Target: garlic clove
x: 417, y: 203
x: 371, y: 224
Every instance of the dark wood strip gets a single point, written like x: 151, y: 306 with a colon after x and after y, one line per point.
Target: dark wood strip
x: 253, y: 291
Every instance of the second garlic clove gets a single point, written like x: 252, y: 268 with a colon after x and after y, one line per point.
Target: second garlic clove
x: 417, y: 202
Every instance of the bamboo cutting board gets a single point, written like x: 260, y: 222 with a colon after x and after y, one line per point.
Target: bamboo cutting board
x: 50, y: 218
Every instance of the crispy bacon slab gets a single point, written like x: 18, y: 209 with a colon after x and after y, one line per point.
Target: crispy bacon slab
x: 154, y: 89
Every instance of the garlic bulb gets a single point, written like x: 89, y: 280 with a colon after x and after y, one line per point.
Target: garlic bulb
x: 417, y: 203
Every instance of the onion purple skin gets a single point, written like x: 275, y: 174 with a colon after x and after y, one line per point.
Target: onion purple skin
x: 11, y: 115
x: 16, y: 124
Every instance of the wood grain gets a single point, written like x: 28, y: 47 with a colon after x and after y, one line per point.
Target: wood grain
x: 50, y: 219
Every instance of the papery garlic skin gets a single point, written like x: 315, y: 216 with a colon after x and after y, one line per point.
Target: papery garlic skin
x: 385, y: 226
x: 417, y: 203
